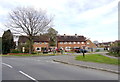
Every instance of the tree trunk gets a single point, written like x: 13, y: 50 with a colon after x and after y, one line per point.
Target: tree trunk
x: 30, y: 45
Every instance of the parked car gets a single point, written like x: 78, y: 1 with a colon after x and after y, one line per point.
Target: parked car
x: 58, y: 50
x: 45, y: 50
x: 80, y: 50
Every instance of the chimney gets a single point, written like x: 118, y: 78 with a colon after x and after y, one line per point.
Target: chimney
x: 75, y: 34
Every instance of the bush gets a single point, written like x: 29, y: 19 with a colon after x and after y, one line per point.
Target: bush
x: 97, y: 50
x: 115, y: 51
x: 15, y: 51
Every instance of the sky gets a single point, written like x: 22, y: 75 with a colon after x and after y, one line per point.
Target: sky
x: 94, y: 19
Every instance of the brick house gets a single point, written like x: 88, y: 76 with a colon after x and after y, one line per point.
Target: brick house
x: 39, y: 42
x: 105, y: 45
x: 68, y: 42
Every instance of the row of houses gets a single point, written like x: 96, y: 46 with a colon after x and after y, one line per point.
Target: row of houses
x: 107, y: 45
x: 65, y: 42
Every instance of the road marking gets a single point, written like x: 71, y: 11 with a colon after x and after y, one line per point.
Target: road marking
x: 7, y: 65
x: 28, y: 76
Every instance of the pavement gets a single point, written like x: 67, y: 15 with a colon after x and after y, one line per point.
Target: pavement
x: 70, y: 60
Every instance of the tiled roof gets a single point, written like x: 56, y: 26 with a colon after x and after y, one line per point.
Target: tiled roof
x: 117, y: 41
x: 105, y: 43
x: 41, y: 38
x: 71, y: 38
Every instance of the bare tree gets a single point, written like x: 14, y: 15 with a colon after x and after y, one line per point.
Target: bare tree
x: 30, y: 22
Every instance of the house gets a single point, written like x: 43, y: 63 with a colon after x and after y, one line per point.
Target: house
x: 90, y: 44
x: 105, y: 45
x: 39, y: 42
x: 67, y: 42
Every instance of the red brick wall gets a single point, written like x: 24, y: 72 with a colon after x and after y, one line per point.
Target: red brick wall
x: 90, y: 45
x: 70, y: 45
x: 40, y: 45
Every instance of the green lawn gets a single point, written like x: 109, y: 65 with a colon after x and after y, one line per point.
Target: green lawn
x: 98, y: 59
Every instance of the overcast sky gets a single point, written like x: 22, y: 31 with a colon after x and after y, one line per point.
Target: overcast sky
x: 94, y: 19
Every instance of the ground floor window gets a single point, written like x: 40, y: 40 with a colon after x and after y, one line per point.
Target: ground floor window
x: 38, y: 48
x: 67, y: 48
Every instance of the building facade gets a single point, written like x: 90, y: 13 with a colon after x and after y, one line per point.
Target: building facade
x: 68, y: 42
x: 65, y: 42
x: 39, y: 42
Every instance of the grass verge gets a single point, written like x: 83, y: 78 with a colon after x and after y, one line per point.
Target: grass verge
x: 98, y: 59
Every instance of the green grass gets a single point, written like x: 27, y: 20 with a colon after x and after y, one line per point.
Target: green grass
x: 98, y: 59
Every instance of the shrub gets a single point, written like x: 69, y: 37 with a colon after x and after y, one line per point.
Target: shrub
x: 115, y: 51
x: 97, y: 50
x: 15, y: 51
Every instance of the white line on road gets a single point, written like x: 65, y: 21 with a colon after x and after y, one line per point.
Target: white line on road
x: 28, y: 76
x: 7, y: 65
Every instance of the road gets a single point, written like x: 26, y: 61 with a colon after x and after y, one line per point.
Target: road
x: 43, y: 68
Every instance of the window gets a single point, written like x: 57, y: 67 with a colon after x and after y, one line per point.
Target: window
x: 38, y: 48
x: 74, y: 42
x: 36, y: 42
x: 70, y: 42
x: 61, y: 48
x: 45, y: 43
x: 88, y: 43
x: 78, y: 42
x: 65, y: 42
x: 61, y: 42
x: 67, y: 48
x: 40, y: 42
x: 82, y: 42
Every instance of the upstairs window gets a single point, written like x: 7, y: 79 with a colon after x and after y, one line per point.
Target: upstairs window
x: 82, y: 42
x: 74, y: 42
x: 61, y: 42
x: 45, y: 42
x: 88, y: 43
x: 65, y: 42
x: 70, y: 42
x: 40, y: 42
x: 78, y: 42
x: 36, y: 42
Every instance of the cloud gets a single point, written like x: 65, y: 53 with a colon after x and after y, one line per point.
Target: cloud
x: 94, y: 19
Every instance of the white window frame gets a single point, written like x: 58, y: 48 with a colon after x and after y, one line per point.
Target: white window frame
x: 39, y: 48
x: 82, y: 42
x: 45, y: 42
x: 88, y: 43
x: 40, y: 42
x: 78, y: 42
x: 65, y: 42
x: 70, y: 42
x: 74, y: 42
x: 61, y: 42
x: 67, y: 48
